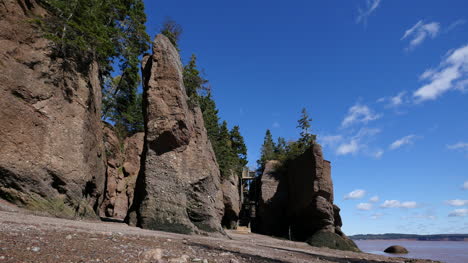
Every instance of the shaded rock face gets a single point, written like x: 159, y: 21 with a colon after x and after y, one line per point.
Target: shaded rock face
x: 51, y: 154
x: 296, y: 201
x: 231, y: 199
x: 272, y: 202
x: 178, y: 188
x: 123, y: 166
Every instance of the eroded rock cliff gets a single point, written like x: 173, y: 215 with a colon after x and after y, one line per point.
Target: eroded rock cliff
x: 231, y: 200
x: 296, y: 201
x: 178, y: 188
x: 51, y: 153
x: 123, y: 166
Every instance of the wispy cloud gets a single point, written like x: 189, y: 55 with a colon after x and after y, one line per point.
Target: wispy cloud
x: 398, y: 204
x: 330, y: 140
x: 376, y: 216
x: 359, y: 114
x: 378, y: 154
x: 356, y: 194
x: 456, y: 24
x: 356, y: 143
x: 350, y: 147
x: 452, y: 74
x: 409, y: 139
x: 458, y: 146
x: 457, y: 202
x: 364, y: 206
x: 374, y: 199
x: 276, y: 124
x: 364, y: 13
x: 462, y: 212
x: 465, y: 185
x: 419, y: 32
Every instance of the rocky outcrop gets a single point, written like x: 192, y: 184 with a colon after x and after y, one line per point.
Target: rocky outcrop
x: 51, y: 153
x: 272, y: 202
x: 296, y: 201
x: 178, y: 188
x: 123, y: 166
x: 396, y: 250
x: 231, y: 199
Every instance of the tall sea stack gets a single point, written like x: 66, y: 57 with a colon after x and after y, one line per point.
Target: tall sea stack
x: 178, y: 188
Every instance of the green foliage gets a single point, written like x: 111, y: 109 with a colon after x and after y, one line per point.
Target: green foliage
x: 284, y: 151
x: 227, y: 157
x: 172, y: 31
x: 306, y: 139
x: 267, y: 151
x: 195, y: 84
x: 238, y: 148
x: 111, y: 32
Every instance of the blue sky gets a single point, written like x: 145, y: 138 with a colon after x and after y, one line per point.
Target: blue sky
x: 386, y: 83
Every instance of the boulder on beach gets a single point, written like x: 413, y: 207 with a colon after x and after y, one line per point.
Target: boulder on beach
x: 396, y: 250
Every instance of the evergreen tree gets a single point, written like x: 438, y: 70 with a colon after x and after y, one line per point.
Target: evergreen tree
x: 281, y: 149
x: 172, y: 31
x: 211, y: 119
x: 267, y: 151
x: 239, y: 148
x: 194, y: 84
x: 306, y: 138
x: 110, y: 32
x: 227, y: 156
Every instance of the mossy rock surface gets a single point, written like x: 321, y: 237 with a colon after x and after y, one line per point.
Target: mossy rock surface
x: 333, y: 241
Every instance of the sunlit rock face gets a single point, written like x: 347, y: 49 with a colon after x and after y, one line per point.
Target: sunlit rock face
x: 179, y: 187
x: 51, y: 154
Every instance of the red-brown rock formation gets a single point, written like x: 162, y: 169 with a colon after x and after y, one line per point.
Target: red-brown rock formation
x: 231, y: 199
x: 179, y: 188
x: 51, y: 153
x: 296, y: 201
x: 123, y: 166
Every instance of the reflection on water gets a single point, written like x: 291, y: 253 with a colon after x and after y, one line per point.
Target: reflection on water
x: 446, y: 251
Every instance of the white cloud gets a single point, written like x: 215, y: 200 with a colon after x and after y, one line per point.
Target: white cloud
x: 371, y: 6
x: 374, y: 199
x: 330, y: 140
x: 458, y: 146
x: 356, y: 194
x: 452, y: 73
x: 351, y: 147
x: 398, y: 99
x: 459, y: 212
x: 364, y: 206
x: 419, y: 32
x: 398, y: 204
x: 465, y: 185
x: 276, y: 124
x: 356, y: 143
x: 457, y: 202
x: 359, y: 113
x: 402, y: 141
x: 455, y: 24
x: 376, y: 216
x: 378, y: 154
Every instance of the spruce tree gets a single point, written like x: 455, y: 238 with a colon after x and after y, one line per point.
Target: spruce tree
x: 306, y: 138
x: 281, y: 149
x: 195, y: 84
x: 227, y: 156
x: 239, y: 148
x: 267, y: 151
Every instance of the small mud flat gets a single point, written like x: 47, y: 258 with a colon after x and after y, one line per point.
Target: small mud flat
x: 30, y: 238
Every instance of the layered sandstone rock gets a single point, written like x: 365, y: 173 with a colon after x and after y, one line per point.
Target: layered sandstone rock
x: 231, y: 199
x: 296, y: 201
x: 51, y: 155
x: 179, y: 187
x: 123, y: 166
